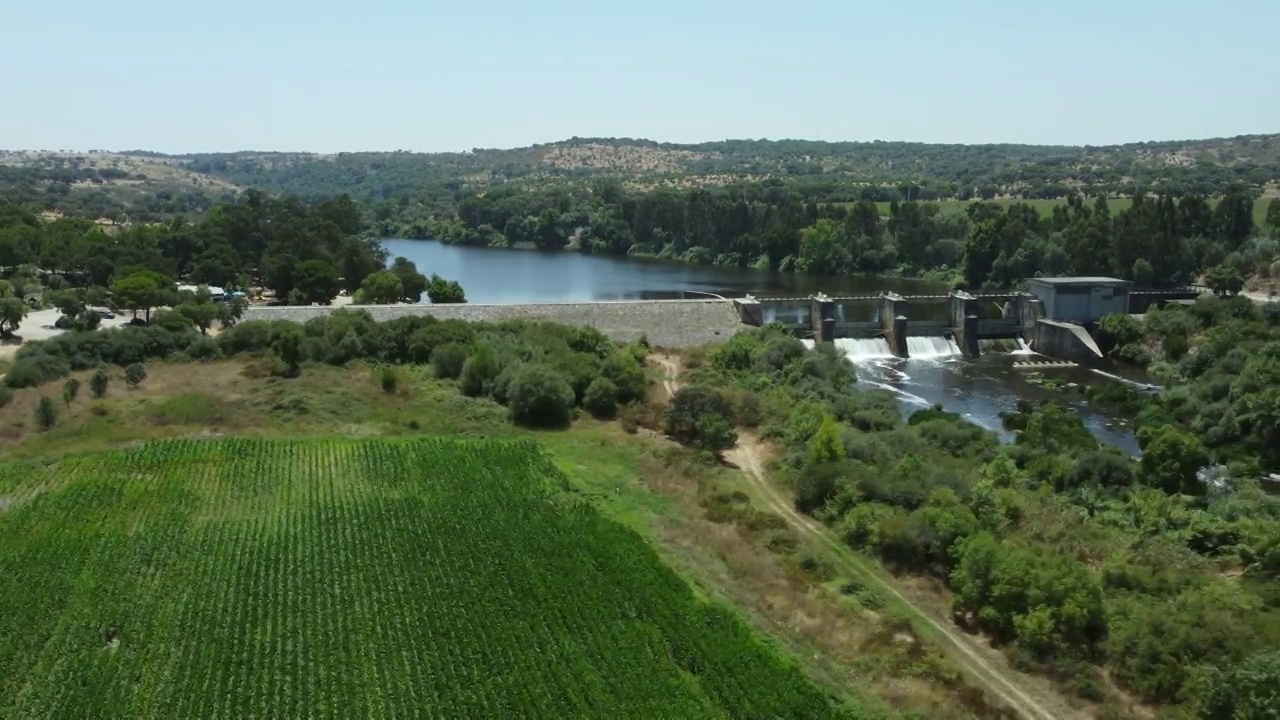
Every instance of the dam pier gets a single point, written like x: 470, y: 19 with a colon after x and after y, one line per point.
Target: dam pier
x: 1056, y: 317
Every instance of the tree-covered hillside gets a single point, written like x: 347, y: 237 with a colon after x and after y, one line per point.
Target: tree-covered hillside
x: 888, y: 170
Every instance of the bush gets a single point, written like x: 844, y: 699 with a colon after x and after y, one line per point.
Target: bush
x: 203, y: 348
x: 46, y: 413
x: 447, y: 360
x: 35, y: 369
x: 442, y: 291
x: 6, y: 395
x: 540, y: 397
x: 98, y: 382
x: 701, y: 417
x: 388, y: 380
x: 1118, y: 330
x: 134, y: 375
x: 479, y: 372
x: 601, y: 398
x: 70, y: 389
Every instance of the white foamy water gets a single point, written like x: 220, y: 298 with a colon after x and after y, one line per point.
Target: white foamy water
x: 864, y: 349
x: 931, y: 348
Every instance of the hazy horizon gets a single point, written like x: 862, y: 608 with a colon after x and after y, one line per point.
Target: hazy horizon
x: 321, y: 77
x: 292, y: 151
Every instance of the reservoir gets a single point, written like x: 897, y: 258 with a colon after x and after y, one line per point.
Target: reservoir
x: 976, y: 388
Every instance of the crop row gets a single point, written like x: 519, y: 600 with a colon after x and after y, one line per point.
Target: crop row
x: 254, y: 578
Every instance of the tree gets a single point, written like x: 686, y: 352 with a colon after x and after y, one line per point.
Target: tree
x: 824, y: 249
x: 479, y: 372
x: 448, y: 360
x: 98, y: 382
x: 46, y: 413
x: 1171, y: 460
x: 286, y: 342
x: 443, y: 291
x: 199, y: 314
x: 414, y: 283
x: 827, y: 445
x: 601, y: 398
x: 1224, y: 280
x: 539, y: 396
x: 70, y: 389
x: 1248, y: 690
x: 701, y: 417
x: 217, y: 265
x: 317, y: 280
x: 388, y: 380
x: 134, y: 375
x: 380, y: 288
x: 142, y: 290
x: 69, y: 302
x: 12, y: 311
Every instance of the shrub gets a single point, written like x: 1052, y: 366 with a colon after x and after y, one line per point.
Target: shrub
x: 447, y: 360
x: 70, y: 389
x: 98, y: 383
x: 35, y: 369
x: 203, y: 348
x: 701, y: 417
x: 479, y: 372
x: 6, y: 395
x: 46, y: 413
x: 626, y: 375
x: 601, y: 398
x: 134, y: 375
x: 540, y: 397
x: 388, y: 380
x: 442, y: 291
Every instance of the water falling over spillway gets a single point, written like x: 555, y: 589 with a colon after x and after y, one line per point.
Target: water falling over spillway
x: 931, y: 348
x: 864, y: 349
x: 1005, y: 346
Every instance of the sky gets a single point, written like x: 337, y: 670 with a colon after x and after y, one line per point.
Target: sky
x: 422, y: 75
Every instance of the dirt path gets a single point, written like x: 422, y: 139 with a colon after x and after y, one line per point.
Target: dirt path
x: 750, y: 455
x: 670, y: 379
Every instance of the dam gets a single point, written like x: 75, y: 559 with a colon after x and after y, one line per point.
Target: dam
x: 1057, y: 317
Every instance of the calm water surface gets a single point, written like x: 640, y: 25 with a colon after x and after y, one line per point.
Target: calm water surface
x: 498, y: 275
x: 977, y: 388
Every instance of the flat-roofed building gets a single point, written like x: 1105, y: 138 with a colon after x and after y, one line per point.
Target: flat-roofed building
x: 1081, y: 299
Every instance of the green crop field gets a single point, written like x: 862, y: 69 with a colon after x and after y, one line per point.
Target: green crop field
x: 241, y: 578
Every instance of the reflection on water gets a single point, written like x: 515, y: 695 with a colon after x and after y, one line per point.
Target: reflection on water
x: 496, y: 275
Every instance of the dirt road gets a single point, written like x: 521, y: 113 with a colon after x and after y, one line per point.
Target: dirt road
x: 750, y: 456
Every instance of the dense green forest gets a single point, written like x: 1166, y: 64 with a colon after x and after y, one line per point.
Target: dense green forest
x: 1158, y: 577
x: 828, y: 208
x: 422, y: 184
x: 1161, y: 240
x: 843, y: 171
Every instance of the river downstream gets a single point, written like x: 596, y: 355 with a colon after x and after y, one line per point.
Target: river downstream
x: 976, y: 388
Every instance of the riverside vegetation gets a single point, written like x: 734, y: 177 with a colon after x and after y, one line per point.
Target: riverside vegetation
x: 1157, y: 578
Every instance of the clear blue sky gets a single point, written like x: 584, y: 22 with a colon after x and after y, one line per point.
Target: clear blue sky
x: 425, y: 75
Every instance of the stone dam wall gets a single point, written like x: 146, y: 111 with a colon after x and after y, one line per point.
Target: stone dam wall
x: 666, y: 323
